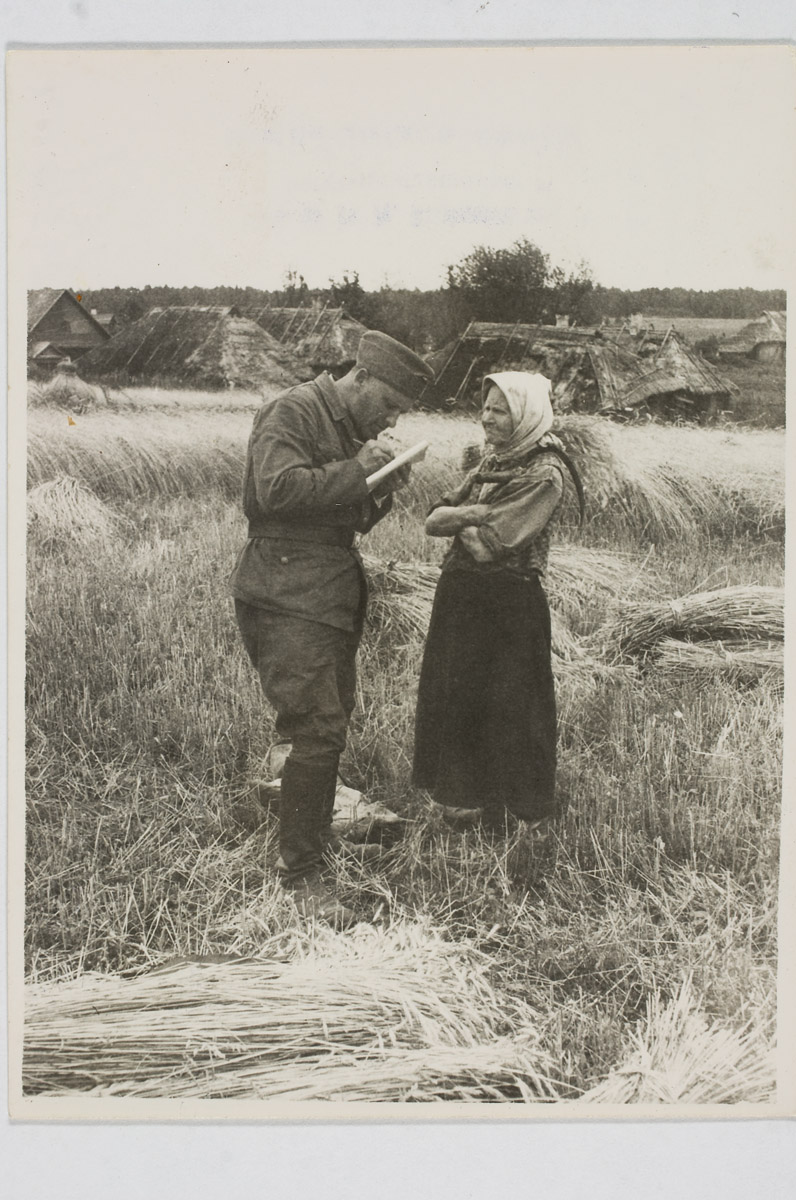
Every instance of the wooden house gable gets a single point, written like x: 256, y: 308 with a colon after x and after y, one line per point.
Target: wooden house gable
x: 60, y: 318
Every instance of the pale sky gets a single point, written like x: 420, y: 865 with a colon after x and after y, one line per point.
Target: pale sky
x: 660, y: 166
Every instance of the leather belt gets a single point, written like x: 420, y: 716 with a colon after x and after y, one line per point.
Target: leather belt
x: 325, y: 535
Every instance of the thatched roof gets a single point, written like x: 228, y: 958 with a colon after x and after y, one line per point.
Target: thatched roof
x: 675, y: 370
x: 610, y: 378
x: 201, y: 346
x: 520, y: 333
x: 487, y: 346
x: 325, y: 337
x: 770, y: 327
x: 600, y: 377
x: 589, y: 372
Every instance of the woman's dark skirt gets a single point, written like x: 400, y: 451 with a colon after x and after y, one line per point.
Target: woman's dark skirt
x: 485, y: 732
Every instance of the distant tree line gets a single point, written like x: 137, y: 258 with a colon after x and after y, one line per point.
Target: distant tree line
x: 685, y: 302
x: 515, y: 284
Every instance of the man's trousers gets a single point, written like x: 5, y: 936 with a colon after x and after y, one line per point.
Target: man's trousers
x: 308, y: 674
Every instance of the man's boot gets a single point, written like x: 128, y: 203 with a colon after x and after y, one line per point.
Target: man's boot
x: 336, y: 842
x: 316, y: 902
x: 303, y: 820
x: 365, y: 853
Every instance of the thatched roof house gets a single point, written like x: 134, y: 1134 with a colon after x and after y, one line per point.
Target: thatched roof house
x: 589, y: 372
x: 762, y: 339
x: 57, y: 319
x: 596, y: 378
x: 678, y: 383
x: 326, y: 337
x: 486, y: 346
x: 210, y: 347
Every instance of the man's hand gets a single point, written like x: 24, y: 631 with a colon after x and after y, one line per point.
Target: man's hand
x: 398, y: 479
x: 372, y: 456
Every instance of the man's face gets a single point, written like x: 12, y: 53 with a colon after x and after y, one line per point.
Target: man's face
x: 376, y: 406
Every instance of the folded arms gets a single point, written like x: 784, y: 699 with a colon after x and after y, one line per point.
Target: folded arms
x: 517, y: 514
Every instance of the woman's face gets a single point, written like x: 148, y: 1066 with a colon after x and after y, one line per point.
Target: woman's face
x: 496, y: 418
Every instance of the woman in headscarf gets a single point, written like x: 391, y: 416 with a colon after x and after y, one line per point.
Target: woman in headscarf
x: 485, y: 734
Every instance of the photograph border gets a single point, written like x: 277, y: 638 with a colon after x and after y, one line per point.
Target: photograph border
x: 380, y: 1115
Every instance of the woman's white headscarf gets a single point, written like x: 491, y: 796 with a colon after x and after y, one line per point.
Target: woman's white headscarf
x: 528, y: 398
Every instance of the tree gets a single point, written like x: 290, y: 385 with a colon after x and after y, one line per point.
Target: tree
x: 423, y: 320
x: 350, y: 295
x: 574, y: 295
x: 503, y: 285
x: 295, y: 290
x: 132, y: 309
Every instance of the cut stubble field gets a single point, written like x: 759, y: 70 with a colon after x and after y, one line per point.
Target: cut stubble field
x: 146, y: 731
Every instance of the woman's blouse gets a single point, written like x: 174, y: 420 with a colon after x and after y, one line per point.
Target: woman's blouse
x: 514, y: 519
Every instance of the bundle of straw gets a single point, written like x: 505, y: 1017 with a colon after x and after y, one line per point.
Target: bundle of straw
x: 63, y: 511
x: 584, y: 572
x: 734, y: 613
x: 592, y: 444
x: 738, y: 660
x: 630, y: 493
x: 675, y: 1056
x: 581, y: 579
x: 67, y: 390
x: 401, y: 595
x: 662, y: 487
x: 565, y: 645
x: 374, y: 1016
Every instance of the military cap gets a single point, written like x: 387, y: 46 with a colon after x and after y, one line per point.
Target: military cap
x: 393, y: 363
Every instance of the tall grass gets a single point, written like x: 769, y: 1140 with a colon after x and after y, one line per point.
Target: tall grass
x: 759, y: 396
x: 652, y: 485
x: 146, y: 728
x: 133, y: 456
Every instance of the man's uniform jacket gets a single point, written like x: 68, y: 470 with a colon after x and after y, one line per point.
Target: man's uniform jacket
x: 305, y: 497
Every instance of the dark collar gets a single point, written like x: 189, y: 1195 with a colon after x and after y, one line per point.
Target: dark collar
x: 335, y: 405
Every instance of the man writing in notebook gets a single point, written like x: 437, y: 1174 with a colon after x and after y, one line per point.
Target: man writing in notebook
x: 299, y: 588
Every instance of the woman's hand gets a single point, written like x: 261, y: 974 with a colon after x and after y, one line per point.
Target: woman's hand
x: 442, y: 521
x: 471, y: 540
x: 446, y: 520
